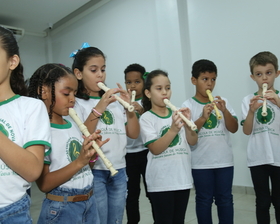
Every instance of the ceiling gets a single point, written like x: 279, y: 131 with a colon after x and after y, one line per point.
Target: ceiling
x: 35, y: 16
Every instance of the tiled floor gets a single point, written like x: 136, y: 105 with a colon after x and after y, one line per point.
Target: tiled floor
x: 244, y: 208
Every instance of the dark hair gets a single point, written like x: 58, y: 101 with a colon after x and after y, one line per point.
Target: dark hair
x: 202, y: 66
x: 135, y: 68
x: 10, y: 46
x: 47, y: 75
x: 146, y: 103
x: 263, y: 58
x: 80, y: 59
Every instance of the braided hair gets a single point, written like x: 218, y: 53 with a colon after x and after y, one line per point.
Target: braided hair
x: 47, y: 75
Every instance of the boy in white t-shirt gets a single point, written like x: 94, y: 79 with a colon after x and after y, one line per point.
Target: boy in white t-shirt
x: 263, y: 147
x: 136, y: 156
x: 212, y: 158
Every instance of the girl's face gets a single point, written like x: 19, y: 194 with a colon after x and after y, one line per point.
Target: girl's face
x: 6, y: 67
x: 134, y: 81
x: 93, y: 72
x: 65, y: 90
x: 160, y: 90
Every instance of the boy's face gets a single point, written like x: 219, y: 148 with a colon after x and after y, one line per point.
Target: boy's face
x: 133, y: 81
x: 206, y: 80
x: 265, y: 74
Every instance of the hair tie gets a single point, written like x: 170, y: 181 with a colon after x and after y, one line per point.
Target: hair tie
x: 144, y: 76
x: 84, y: 45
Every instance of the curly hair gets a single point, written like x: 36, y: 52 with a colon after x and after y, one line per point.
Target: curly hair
x: 47, y: 75
x: 10, y: 46
x: 135, y: 68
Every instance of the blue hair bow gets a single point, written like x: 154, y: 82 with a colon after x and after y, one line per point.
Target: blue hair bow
x: 84, y: 45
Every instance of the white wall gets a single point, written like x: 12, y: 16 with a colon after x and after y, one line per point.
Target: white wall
x: 171, y: 35
x: 230, y: 33
x: 32, y: 53
x: 129, y: 32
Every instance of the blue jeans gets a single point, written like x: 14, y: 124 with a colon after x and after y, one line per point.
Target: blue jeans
x: 69, y: 212
x: 110, y: 195
x: 18, y: 212
x: 210, y: 185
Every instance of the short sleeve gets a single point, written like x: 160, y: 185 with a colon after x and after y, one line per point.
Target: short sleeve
x: 36, y: 125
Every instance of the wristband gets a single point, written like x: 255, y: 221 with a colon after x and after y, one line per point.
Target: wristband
x: 93, y: 161
x: 96, y: 112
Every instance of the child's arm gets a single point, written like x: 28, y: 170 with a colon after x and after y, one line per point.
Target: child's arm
x: 50, y: 180
x: 28, y: 163
x: 132, y: 127
x: 94, y: 116
x: 163, y: 143
x: 248, y: 123
x: 230, y: 122
x: 191, y: 135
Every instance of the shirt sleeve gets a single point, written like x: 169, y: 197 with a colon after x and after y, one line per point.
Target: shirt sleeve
x: 147, y: 129
x: 37, y: 125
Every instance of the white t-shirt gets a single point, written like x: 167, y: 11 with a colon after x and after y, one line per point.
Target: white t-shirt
x: 112, y: 125
x: 67, y: 142
x: 135, y: 145
x: 264, y: 141
x: 24, y: 121
x: 213, y: 149
x: 170, y: 170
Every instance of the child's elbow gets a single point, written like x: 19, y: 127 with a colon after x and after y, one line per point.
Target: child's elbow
x: 33, y: 176
x: 134, y: 135
x: 43, y: 187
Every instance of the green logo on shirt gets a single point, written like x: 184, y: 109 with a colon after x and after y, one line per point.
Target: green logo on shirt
x: 175, y: 141
x: 3, y: 130
x: 211, y: 122
x: 107, y: 118
x: 267, y: 119
x: 74, y: 150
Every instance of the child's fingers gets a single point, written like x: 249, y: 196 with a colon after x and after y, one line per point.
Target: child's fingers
x: 119, y: 85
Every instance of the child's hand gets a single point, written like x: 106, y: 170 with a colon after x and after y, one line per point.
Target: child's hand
x: 126, y: 96
x: 87, y: 151
x: 254, y: 104
x: 106, y: 99
x: 98, y: 138
x: 273, y: 97
x: 186, y: 112
x: 138, y: 108
x: 177, y: 122
x: 207, y: 109
x: 221, y: 104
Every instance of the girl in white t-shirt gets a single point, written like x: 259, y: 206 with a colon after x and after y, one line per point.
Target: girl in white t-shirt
x: 168, y: 172
x: 24, y: 135
x: 66, y: 179
x: 100, y: 110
